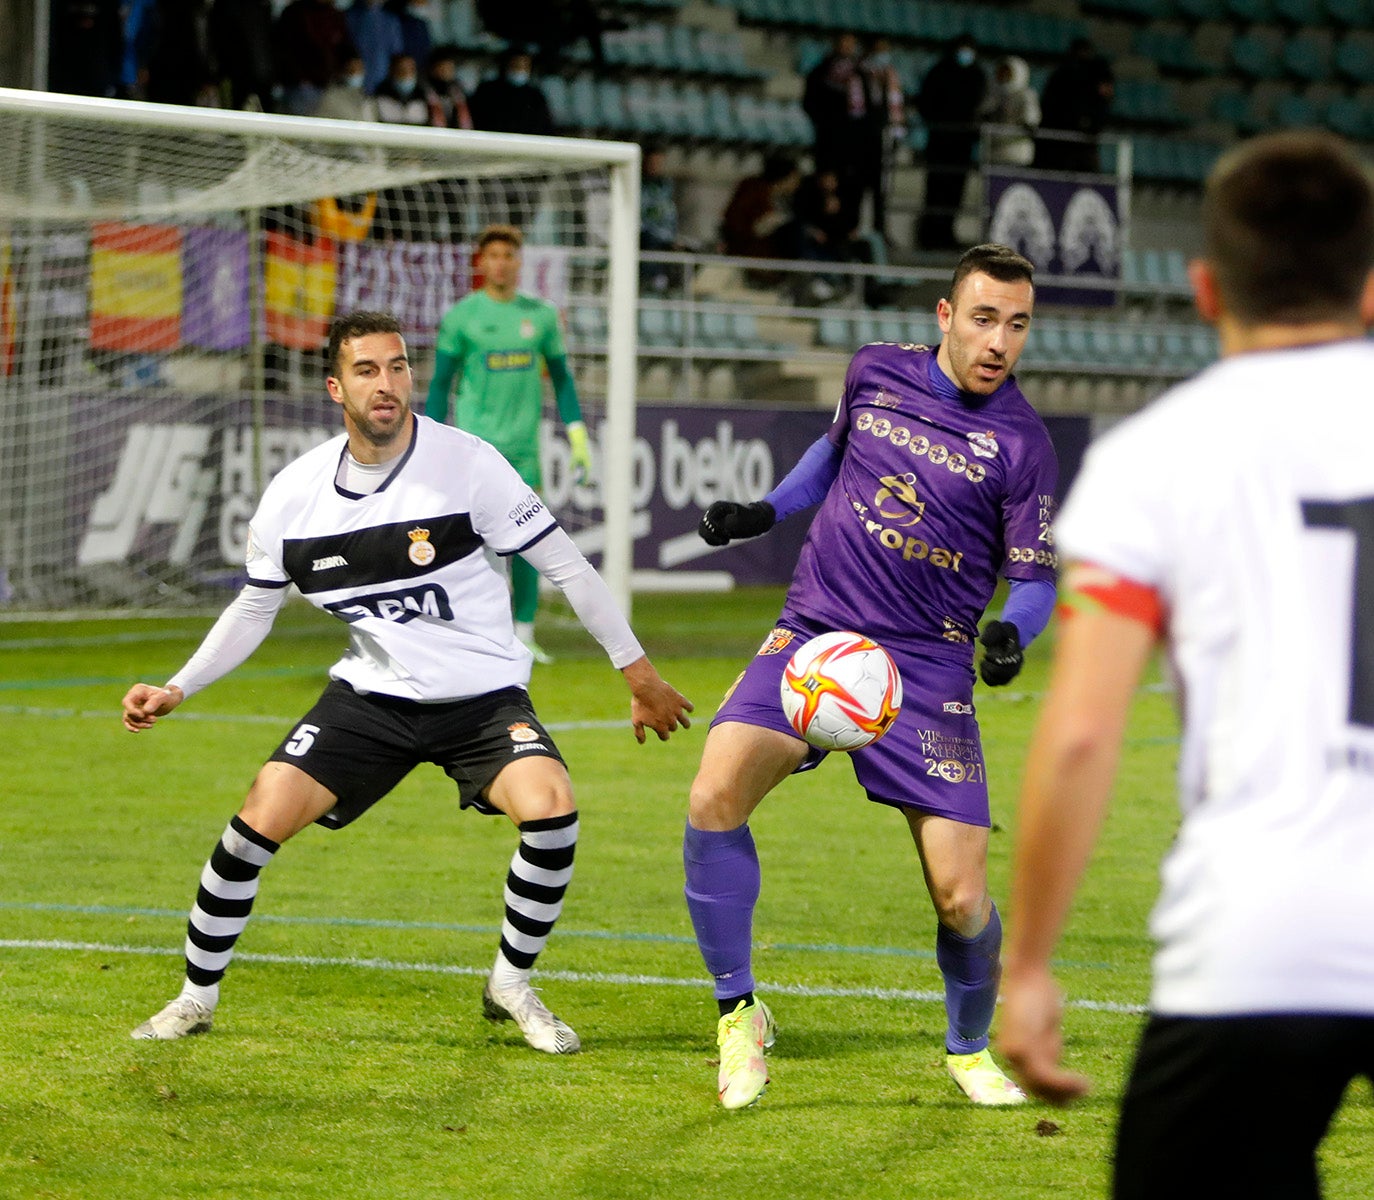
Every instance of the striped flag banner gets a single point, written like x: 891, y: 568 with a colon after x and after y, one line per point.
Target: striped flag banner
x: 135, y: 287
x: 299, y: 291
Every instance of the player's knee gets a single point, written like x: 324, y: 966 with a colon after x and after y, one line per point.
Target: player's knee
x: 962, y: 906
x: 714, y: 805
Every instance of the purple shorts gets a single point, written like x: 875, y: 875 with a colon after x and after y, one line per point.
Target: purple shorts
x: 930, y: 760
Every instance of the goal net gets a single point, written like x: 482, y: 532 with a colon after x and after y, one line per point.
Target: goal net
x: 167, y: 278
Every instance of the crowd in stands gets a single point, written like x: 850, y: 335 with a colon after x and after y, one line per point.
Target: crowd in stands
x: 379, y: 60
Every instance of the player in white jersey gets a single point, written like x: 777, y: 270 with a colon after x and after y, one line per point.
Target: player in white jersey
x: 387, y: 527
x: 1233, y: 520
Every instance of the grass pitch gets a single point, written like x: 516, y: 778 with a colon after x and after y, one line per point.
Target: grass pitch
x: 350, y: 1058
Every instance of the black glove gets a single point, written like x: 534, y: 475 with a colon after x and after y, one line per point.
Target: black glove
x: 1002, y: 653
x: 726, y: 520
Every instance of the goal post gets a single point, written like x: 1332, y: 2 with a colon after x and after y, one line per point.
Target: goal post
x: 167, y: 276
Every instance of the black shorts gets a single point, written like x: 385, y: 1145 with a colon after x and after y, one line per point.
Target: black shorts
x: 1235, y: 1106
x: 362, y: 746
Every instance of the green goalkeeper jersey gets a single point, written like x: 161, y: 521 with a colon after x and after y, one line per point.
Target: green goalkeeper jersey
x: 499, y: 348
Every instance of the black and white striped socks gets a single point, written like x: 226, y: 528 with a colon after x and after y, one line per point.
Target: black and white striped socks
x: 228, y: 885
x: 539, y: 875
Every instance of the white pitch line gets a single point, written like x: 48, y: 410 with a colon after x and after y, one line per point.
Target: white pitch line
x: 385, y: 964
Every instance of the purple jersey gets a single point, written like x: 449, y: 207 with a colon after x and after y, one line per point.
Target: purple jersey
x: 934, y: 498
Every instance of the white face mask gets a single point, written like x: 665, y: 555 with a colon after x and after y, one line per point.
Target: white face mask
x: 355, y: 80
x: 403, y: 86
x: 965, y: 57
x: 519, y: 78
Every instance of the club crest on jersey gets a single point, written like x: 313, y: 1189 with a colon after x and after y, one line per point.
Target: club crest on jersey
x: 776, y: 642
x: 984, y: 445
x: 521, y: 732
x: 885, y: 399
x: 527, y: 328
x: 421, y: 551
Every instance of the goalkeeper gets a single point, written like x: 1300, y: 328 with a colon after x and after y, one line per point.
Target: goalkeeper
x: 492, y: 341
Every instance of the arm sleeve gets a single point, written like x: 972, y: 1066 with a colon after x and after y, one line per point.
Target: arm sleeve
x: 240, y: 630
x: 563, y: 564
x: 807, y: 483
x: 564, y: 390
x: 441, y: 387
x: 1030, y: 602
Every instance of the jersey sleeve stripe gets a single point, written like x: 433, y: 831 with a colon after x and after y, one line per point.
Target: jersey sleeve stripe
x: 534, y: 541
x: 268, y: 583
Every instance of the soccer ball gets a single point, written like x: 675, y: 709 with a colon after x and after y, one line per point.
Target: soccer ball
x: 841, y: 691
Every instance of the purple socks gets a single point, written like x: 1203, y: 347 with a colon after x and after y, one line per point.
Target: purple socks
x: 971, y: 968
x: 722, y: 889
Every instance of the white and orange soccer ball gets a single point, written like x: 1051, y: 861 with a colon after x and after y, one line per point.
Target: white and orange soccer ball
x: 841, y: 691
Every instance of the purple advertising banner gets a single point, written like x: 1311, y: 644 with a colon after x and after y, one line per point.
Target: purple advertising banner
x: 215, y: 289
x: 1069, y: 228
x: 200, y: 449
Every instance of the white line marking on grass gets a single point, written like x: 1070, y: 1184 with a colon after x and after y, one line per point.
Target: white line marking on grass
x: 807, y: 991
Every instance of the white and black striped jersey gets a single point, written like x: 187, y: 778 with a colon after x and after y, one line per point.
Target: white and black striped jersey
x: 429, y: 616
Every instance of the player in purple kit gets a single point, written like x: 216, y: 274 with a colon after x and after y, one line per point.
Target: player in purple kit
x: 936, y: 476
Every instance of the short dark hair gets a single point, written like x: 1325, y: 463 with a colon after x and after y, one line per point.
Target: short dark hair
x: 353, y: 325
x: 777, y: 167
x: 500, y: 233
x: 1288, y: 226
x: 1001, y: 262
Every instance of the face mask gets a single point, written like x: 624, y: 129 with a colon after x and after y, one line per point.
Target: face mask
x: 880, y: 60
x: 965, y: 57
x: 419, y: 10
x: 519, y: 78
x: 356, y: 80
x: 403, y: 87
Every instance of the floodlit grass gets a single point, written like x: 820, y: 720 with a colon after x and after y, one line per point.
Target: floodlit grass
x: 350, y: 1058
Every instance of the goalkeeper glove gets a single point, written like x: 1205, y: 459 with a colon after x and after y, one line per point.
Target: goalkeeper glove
x: 726, y: 520
x: 1002, y: 653
x: 581, y: 451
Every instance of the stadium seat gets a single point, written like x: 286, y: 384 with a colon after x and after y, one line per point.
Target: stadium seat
x: 1350, y: 118
x: 1249, y: 12
x: 1296, y: 112
x: 1353, y: 14
x: 653, y: 327
x: 1300, y: 14
x: 587, y: 325
x: 712, y: 330
x: 836, y: 332
x: 1201, y: 10
x: 555, y: 89
x: 1354, y: 58
x: 1256, y: 56
x: 610, y: 106
x: 1307, y: 55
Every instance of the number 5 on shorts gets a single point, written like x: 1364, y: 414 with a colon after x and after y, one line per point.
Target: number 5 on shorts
x: 301, y: 740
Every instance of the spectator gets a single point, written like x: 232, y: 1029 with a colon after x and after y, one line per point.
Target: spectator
x: 949, y: 101
x: 417, y: 37
x: 827, y: 233
x: 758, y: 221
x: 658, y: 223
x: 139, y: 27
x: 1076, y: 101
x: 510, y: 103
x: 448, y: 102
x: 376, y: 32
x: 179, y: 66
x: 400, y: 100
x: 836, y: 101
x: 1014, y: 108
x: 884, y: 127
x: 549, y: 25
x: 312, y: 45
x: 344, y: 99
x: 87, y: 47
x: 240, y: 36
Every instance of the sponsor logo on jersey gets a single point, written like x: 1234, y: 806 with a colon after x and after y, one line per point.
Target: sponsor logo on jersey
x: 885, y: 399
x: 1028, y: 554
x: 421, y: 551
x: 510, y: 360
x: 921, y: 446
x: 896, y: 499
x: 401, y: 606
x: 531, y: 746
x: 531, y: 506
x: 984, y: 445
x: 521, y: 732
x: 912, y: 549
x: 775, y: 643
x: 953, y: 632
x: 329, y: 562
x: 958, y: 708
